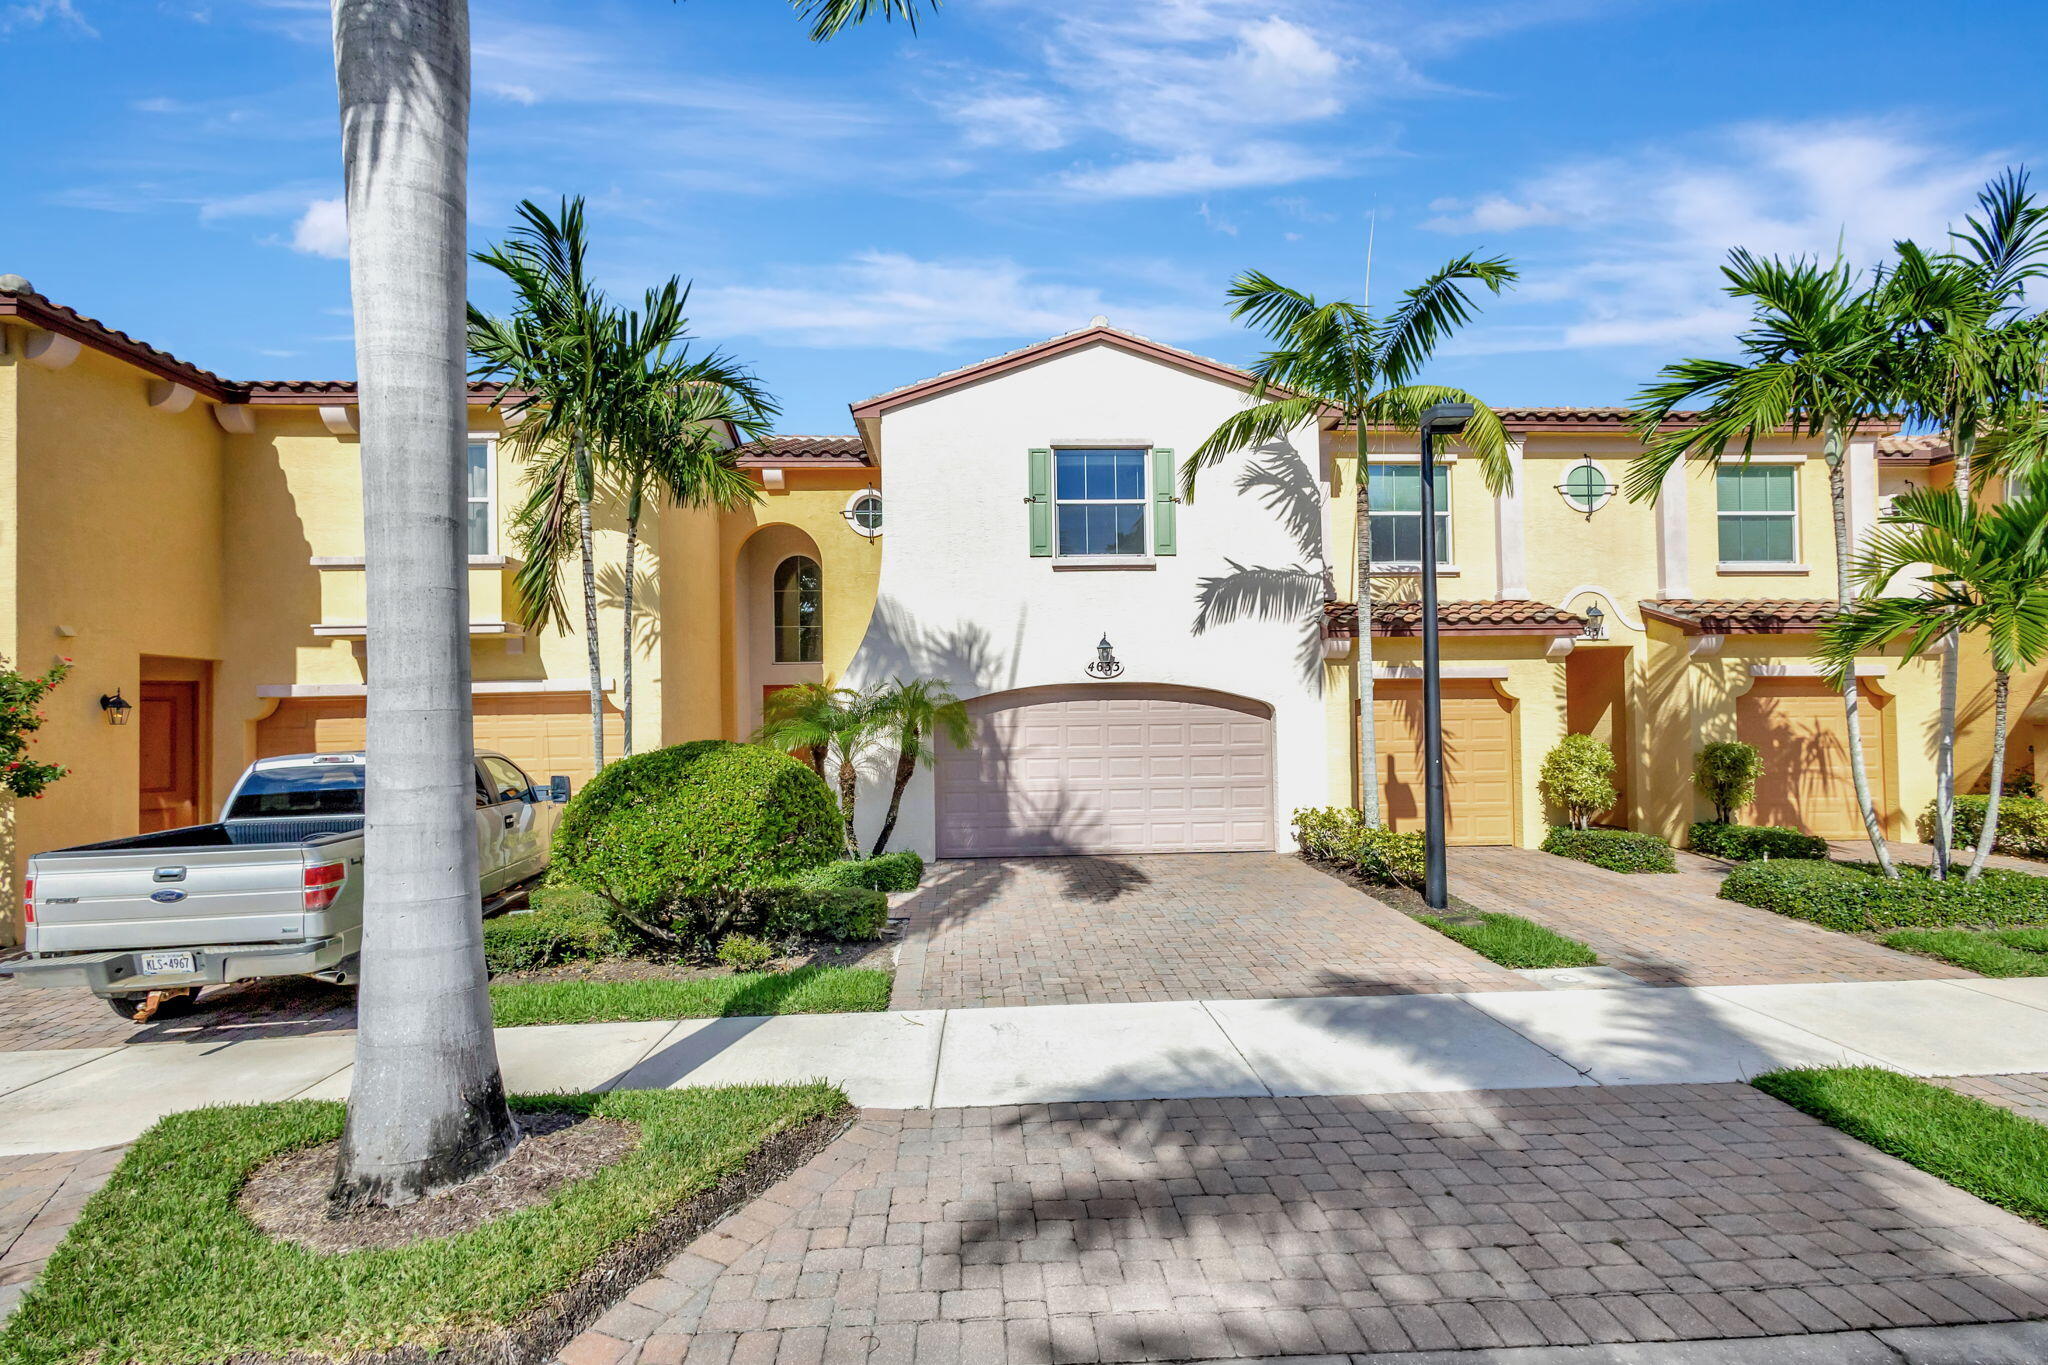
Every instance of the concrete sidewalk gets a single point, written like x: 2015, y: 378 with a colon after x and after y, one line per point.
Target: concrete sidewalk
x: 78, y: 1098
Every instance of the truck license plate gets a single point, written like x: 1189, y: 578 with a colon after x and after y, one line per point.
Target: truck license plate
x: 164, y: 964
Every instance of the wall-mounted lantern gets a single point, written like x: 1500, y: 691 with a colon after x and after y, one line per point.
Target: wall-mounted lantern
x: 116, y: 706
x: 1105, y: 665
x: 1596, y: 624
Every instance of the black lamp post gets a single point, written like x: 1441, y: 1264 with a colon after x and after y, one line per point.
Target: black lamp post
x: 1448, y: 419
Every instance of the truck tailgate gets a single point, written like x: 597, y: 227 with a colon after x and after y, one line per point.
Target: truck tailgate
x: 88, y: 902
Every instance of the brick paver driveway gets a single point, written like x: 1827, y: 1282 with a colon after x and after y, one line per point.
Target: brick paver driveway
x: 1180, y: 1230
x: 1192, y: 926
x: 33, y: 1018
x: 1671, y: 929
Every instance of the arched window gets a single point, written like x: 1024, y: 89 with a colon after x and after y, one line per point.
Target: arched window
x: 799, y: 611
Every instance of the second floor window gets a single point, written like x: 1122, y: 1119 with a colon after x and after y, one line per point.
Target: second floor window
x: 1396, y: 493
x: 1099, y: 501
x: 799, y: 611
x: 481, y: 529
x: 1758, y: 513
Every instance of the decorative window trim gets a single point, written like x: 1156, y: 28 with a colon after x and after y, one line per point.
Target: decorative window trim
x: 861, y: 495
x: 1564, y: 487
x: 489, y: 441
x: 1143, y: 556
x: 1758, y: 566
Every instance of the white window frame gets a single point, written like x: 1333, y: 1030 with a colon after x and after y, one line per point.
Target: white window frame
x: 1761, y: 566
x: 1447, y: 563
x: 489, y: 441
x: 1145, y: 556
x: 859, y: 495
x: 1564, y: 486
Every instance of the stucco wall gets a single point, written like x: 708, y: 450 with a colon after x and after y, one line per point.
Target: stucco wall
x: 962, y: 599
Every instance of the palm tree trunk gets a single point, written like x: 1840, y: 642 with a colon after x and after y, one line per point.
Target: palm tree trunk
x: 1361, y: 672
x: 849, y: 787
x: 1987, y: 838
x: 583, y: 542
x: 1963, y: 441
x: 626, y: 659
x: 1852, y: 691
x: 906, y: 764
x: 426, y: 1101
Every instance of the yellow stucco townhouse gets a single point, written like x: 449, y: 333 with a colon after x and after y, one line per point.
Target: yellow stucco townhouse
x: 194, y: 544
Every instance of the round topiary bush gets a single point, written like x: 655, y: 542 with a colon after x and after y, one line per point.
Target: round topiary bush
x: 657, y: 830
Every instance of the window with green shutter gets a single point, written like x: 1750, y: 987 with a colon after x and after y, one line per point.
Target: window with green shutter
x: 1165, y: 505
x: 1758, y: 510
x: 1041, y: 502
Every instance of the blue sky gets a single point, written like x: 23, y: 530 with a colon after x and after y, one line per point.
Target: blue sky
x: 859, y: 215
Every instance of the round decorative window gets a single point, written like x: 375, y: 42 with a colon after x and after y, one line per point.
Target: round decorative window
x: 1586, y: 487
x: 864, y: 512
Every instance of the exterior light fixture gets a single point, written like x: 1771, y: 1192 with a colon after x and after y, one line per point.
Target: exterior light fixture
x: 116, y: 706
x: 1596, y: 624
x: 1105, y: 665
x: 1438, y: 419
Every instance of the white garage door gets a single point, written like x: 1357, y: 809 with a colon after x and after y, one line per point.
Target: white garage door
x: 1108, y: 770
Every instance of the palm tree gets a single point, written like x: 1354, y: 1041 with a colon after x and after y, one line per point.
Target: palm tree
x: 1982, y: 570
x: 426, y: 1103
x: 1341, y: 357
x: 917, y: 712
x: 426, y: 1100
x: 817, y: 721
x: 675, y: 448
x: 1966, y: 355
x: 1814, y: 361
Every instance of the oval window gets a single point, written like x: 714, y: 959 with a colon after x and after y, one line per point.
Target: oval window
x: 865, y: 512
x: 1586, y: 487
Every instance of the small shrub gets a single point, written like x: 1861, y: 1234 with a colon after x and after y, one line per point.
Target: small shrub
x: 1334, y: 834
x: 1854, y: 897
x: 1618, y: 850
x: 744, y: 953
x: 1726, y: 772
x: 898, y: 871
x: 2022, y: 824
x: 562, y: 926
x: 785, y: 911
x: 2020, y: 782
x: 662, y: 837
x: 1746, y: 843
x: 1578, y: 777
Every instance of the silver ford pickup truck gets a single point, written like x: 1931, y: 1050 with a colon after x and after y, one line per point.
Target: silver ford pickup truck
x: 273, y: 889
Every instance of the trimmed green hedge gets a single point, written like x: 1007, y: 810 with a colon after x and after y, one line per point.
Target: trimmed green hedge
x: 1333, y: 834
x: 1853, y: 897
x: 2022, y: 824
x: 1746, y: 843
x: 1618, y: 850
x: 563, y: 925
x: 898, y: 871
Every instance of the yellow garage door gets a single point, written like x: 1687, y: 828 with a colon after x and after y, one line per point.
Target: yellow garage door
x: 1478, y: 759
x: 1799, y: 729
x: 544, y: 733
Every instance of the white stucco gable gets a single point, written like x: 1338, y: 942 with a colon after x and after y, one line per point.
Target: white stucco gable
x: 1234, y: 609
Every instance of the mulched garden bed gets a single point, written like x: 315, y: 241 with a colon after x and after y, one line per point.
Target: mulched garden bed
x: 879, y: 954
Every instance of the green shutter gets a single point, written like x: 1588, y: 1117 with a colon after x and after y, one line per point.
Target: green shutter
x: 1164, y: 503
x: 1041, y: 503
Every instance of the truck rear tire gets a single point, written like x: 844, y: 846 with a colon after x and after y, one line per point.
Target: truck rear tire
x: 175, y: 1007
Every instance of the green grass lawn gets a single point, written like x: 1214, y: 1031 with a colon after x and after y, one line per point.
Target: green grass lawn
x: 802, y: 990
x: 1513, y: 941
x: 161, y: 1267
x: 1994, y: 954
x: 1995, y: 1154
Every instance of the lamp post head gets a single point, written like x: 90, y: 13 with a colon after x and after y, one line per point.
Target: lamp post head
x: 1446, y: 418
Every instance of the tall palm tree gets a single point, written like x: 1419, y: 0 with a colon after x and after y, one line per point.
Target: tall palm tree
x: 1814, y: 361
x: 1966, y: 355
x: 1342, y: 357
x: 426, y: 1099
x: 917, y: 713
x: 675, y: 449
x: 426, y: 1103
x: 1982, y: 571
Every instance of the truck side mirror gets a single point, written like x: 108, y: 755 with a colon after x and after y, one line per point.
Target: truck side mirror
x: 558, y: 790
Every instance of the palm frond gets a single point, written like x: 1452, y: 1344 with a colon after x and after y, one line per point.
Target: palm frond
x: 1433, y: 310
x: 829, y: 18
x: 1484, y: 436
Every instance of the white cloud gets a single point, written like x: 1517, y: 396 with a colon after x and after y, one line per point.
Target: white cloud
x: 34, y: 13
x: 1631, y: 243
x: 880, y: 298
x: 1253, y: 164
x: 322, y: 230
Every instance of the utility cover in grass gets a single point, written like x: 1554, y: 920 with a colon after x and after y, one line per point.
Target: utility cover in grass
x: 162, y: 1268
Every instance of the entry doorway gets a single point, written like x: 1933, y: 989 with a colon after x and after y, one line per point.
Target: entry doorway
x: 171, y: 718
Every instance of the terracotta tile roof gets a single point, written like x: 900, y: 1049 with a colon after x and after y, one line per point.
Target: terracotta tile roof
x: 1901, y: 449
x: 1742, y: 615
x: 803, y: 450
x: 342, y: 390
x: 40, y: 312
x: 1515, y: 616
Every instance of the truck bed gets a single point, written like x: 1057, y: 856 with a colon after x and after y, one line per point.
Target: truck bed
x: 227, y: 834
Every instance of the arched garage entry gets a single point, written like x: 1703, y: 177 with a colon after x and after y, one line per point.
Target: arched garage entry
x: 1108, y: 768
